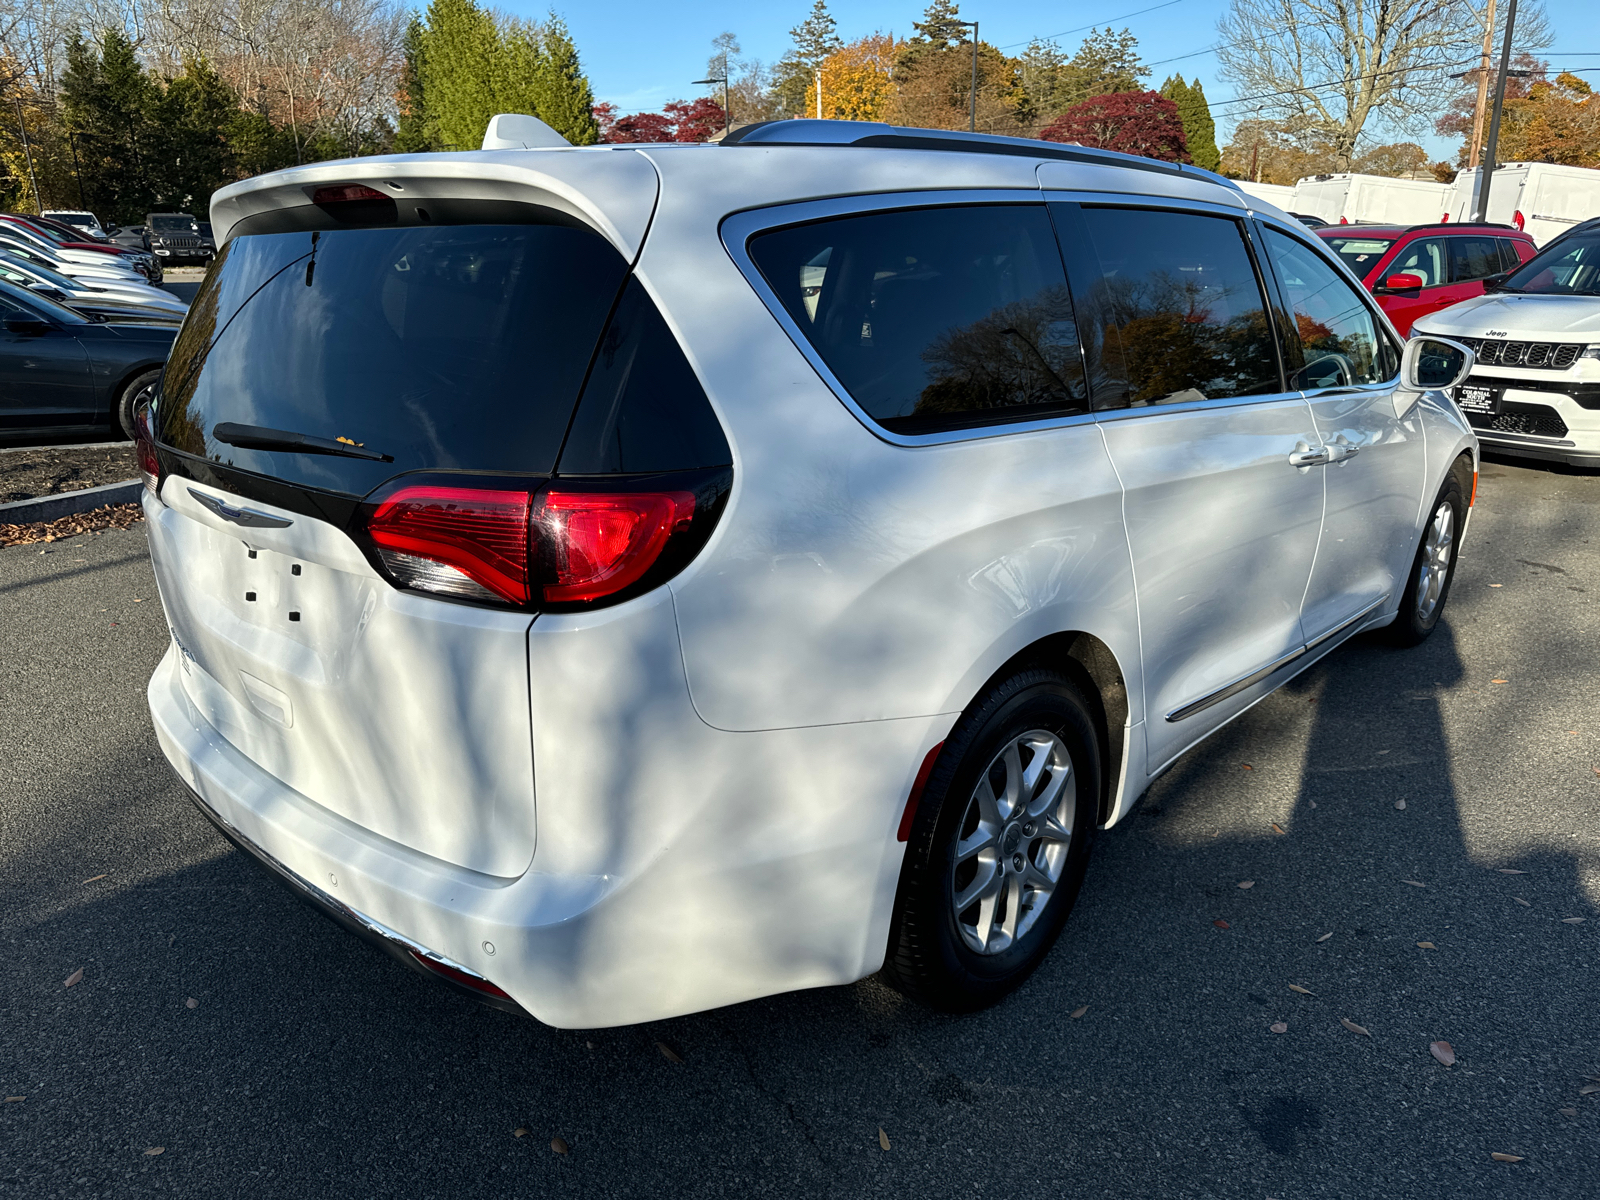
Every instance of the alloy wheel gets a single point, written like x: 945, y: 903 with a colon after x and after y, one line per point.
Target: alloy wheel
x: 1433, y: 566
x: 1012, y: 845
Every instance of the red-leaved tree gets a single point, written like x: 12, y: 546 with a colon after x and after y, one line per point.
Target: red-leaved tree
x: 697, y: 120
x: 641, y: 127
x: 1143, y: 123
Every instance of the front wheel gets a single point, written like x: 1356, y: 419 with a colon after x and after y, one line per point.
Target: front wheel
x: 999, y: 844
x: 1433, y: 569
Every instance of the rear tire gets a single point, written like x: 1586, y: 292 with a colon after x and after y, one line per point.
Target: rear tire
x: 139, y: 389
x: 1433, y: 568
x: 999, y: 845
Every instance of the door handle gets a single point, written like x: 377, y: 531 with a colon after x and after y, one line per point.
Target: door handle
x: 1309, y: 456
x: 1344, y: 448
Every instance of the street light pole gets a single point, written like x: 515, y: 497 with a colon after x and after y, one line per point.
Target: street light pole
x: 77, y: 168
x: 1480, y: 208
x: 972, y: 114
x: 27, y: 150
x: 726, y: 115
x: 819, y: 91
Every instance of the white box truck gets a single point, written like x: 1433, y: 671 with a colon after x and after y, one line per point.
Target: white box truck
x: 1350, y: 199
x: 1542, y: 199
x: 1280, y: 195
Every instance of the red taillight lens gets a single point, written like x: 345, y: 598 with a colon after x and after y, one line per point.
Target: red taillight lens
x: 144, y: 452
x: 597, y: 543
x: 1518, y: 219
x: 455, y: 541
x: 341, y: 193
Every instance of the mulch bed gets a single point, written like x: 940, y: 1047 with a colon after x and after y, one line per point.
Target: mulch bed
x: 45, y: 471
x: 112, y: 516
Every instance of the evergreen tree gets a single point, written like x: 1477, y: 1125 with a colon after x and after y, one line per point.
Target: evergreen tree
x: 563, y: 99
x: 191, y: 159
x: 1200, y: 129
x: 106, y: 99
x: 460, y: 60
x: 411, y: 136
x: 814, y: 39
x: 941, y: 26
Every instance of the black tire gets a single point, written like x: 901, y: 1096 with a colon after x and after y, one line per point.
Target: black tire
x: 1420, y: 604
x: 137, y: 390
x: 931, y: 956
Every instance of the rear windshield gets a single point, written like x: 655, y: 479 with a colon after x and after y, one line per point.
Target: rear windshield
x: 455, y: 347
x: 1360, y: 254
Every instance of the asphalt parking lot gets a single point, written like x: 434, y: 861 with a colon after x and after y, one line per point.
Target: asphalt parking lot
x: 1446, y: 795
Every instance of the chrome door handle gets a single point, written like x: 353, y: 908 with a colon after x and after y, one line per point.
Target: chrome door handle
x: 1308, y: 456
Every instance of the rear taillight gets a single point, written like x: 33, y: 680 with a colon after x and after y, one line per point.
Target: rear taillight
x: 593, y: 544
x: 465, y: 542
x: 1517, y: 219
x: 343, y: 193
x: 144, y: 452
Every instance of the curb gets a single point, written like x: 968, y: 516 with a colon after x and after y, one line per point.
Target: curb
x: 48, y: 508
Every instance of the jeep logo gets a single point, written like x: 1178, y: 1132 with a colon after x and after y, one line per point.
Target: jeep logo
x: 1497, y: 333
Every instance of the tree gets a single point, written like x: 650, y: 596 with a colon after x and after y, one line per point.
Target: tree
x: 1559, y: 123
x: 857, y: 80
x: 1398, y: 160
x: 460, y: 55
x: 1143, y: 123
x: 814, y: 39
x: 1457, y: 118
x: 642, y: 127
x: 1330, y: 68
x: 562, y: 97
x: 695, y: 120
x: 1199, y: 130
x: 411, y: 134
x: 1050, y: 82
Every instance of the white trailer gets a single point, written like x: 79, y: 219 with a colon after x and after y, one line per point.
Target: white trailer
x: 1543, y: 199
x: 1280, y: 195
x: 1350, y: 199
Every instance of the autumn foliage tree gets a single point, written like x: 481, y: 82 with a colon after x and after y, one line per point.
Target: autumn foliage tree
x: 1142, y: 123
x: 858, y: 80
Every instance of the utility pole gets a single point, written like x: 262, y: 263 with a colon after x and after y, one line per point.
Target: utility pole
x: 819, y: 91
x: 77, y: 169
x: 1255, y: 150
x: 972, y: 116
x: 22, y: 124
x: 1480, y: 207
x: 1483, y: 87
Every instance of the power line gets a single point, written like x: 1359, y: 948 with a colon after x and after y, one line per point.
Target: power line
x: 1048, y: 36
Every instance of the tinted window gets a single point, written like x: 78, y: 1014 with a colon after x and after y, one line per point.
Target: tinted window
x: 1425, y: 257
x: 1510, y: 260
x: 643, y: 409
x: 1174, y: 306
x: 456, y: 347
x: 1360, y: 254
x: 1569, y: 266
x: 1336, y: 341
x: 1473, y: 258
x: 935, y: 318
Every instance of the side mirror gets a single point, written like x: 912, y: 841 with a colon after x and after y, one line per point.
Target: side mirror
x: 27, y: 326
x: 1434, y: 364
x: 1404, y: 282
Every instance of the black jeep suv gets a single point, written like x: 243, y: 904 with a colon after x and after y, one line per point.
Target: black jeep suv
x: 176, y: 238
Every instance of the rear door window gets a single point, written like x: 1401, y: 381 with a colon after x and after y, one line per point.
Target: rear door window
x: 460, y: 347
x: 1473, y: 258
x: 1426, y: 258
x: 1174, y: 305
x: 934, y: 319
x: 1335, y: 340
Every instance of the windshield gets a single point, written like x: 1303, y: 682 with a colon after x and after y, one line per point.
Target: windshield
x: 177, y: 224
x: 56, y: 312
x: 18, y: 270
x: 83, y: 220
x: 1360, y: 254
x: 1569, y: 267
x: 460, y: 347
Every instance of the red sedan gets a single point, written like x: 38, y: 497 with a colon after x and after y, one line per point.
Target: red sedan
x: 1420, y: 269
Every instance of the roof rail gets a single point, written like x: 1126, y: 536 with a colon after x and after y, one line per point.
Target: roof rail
x: 813, y: 132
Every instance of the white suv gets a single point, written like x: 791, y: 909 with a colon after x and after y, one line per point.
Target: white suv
x: 630, y: 580
x: 1535, y: 391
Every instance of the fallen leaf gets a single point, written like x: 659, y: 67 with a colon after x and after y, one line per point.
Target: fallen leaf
x: 1444, y: 1052
x: 1221, y: 924
x: 1589, y: 1089
x: 1078, y: 1012
x: 1510, y: 871
x: 96, y: 879
x: 13, y: 1099
x: 558, y: 1145
x: 191, y: 1002
x: 1414, y: 883
x: 1572, y: 920
x: 1522, y: 902
x: 1426, y: 946
x: 73, y: 978
x: 1399, y: 803
x: 1279, y: 1027
x: 1276, y: 828
x: 1499, y: 681
x: 519, y: 1132
x: 668, y: 1053
x: 1567, y: 1112
x: 154, y: 1150
x: 1314, y: 803
x: 1295, y: 987
x: 1353, y: 1027
x: 1247, y: 766
x: 1497, y: 585
x: 883, y: 1138
x: 1246, y: 885
x: 1325, y: 936
x: 1497, y: 1156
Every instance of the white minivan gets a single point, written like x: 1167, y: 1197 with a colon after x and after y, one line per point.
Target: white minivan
x: 630, y: 580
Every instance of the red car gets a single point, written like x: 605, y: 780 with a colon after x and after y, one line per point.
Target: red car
x: 1420, y: 269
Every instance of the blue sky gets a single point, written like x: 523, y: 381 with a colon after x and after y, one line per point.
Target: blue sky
x: 640, y: 55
